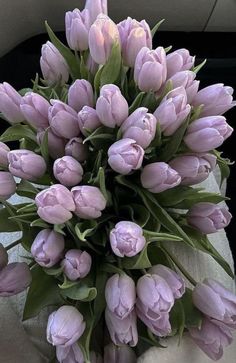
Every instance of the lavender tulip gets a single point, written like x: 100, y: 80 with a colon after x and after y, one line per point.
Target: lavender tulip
x: 35, y: 110
x: 80, y: 94
x: 116, y: 354
x: 120, y: 295
x: 14, y: 278
x: 193, y: 169
x: 68, y: 171
x: 207, y: 133
x: 56, y: 144
x: 127, y: 239
x: 179, y: 60
x: 140, y: 126
x: 88, y: 120
x: 10, y: 101
x: 65, y: 326
x: 7, y: 185
x: 89, y: 201
x: 125, y: 155
x: 208, y: 217
x: 55, y: 204
x: 77, y: 29
x: 187, y: 80
x: 70, y: 354
x: 76, y: 149
x: 4, y: 150
x: 158, y: 324
x: 47, y: 248
x: 134, y: 36
x: 76, y: 264
x: 96, y: 7
x: 91, y: 66
x: 112, y: 108
x: 3, y: 257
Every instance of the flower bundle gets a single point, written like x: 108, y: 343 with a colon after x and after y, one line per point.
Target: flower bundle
x: 110, y: 144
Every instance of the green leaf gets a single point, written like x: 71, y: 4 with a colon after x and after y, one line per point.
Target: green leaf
x: 199, y: 67
x: 53, y: 271
x: 193, y: 317
x: 156, y: 27
x: 177, y: 319
x: 83, y: 69
x: 28, y: 237
x: 17, y: 132
x: 85, y: 229
x: 39, y: 223
x: 26, y: 189
x: 100, y: 133
x: 137, y: 213
x: 80, y: 292
x: 102, y: 183
x: 199, y: 198
x: 137, y: 262
x: 23, y: 91
x: 44, y: 147
x: 7, y: 225
x: 27, y: 208
x: 111, y: 70
x: 137, y: 102
x: 157, y: 236
x: 150, y: 101
x: 223, y: 164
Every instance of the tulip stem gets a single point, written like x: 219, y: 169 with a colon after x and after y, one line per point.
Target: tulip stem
x: 12, y: 245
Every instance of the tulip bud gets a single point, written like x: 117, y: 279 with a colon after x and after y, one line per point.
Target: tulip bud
x: 77, y: 29
x: 187, y: 80
x: 10, y: 103
x: 35, y: 109
x: 14, y: 278
x: 68, y: 171
x: 61, y: 115
x: 89, y: 201
x: 7, y: 185
x: 88, y: 119
x: 4, y: 150
x: 125, y: 156
x: 134, y: 36
x: 216, y: 99
x: 208, y: 217
x: 76, y: 149
x: 95, y: 357
x: 120, y: 295
x: 179, y: 60
x: 56, y: 145
x: 140, y: 126
x: 96, y: 7
x: 158, y: 177
x: 116, y: 354
x: 127, y: 239
x: 53, y: 65
x: 76, y: 264
x: 65, y: 326
x: 172, y: 111
x: 112, y: 108
x: 55, y: 204
x: 47, y: 247
x: 122, y: 331
x: 150, y: 69
x: 70, y: 354
x: 193, y: 169
x: 3, y: 257
x: 80, y: 94
x: 103, y: 35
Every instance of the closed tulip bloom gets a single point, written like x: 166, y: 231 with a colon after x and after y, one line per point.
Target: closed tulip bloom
x: 68, y: 171
x: 63, y: 120
x: 76, y: 264
x: 10, y: 101
x: 193, y: 169
x: 7, y: 185
x: 65, y: 326
x: 4, y: 150
x: 53, y: 65
x: 158, y: 177
x: 55, y: 204
x: 140, y: 126
x: 187, y: 80
x: 77, y: 29
x: 47, y: 247
x: 80, y: 94
x: 112, y: 108
x: 119, y: 354
x: 134, y: 36
x: 3, y: 257
x: 76, y: 149
x: 207, y: 133
x: 88, y: 119
x: 125, y: 156
x: 70, y: 354
x: 14, y: 278
x: 208, y: 217
x: 35, y: 110
x: 120, y: 295
x: 96, y: 7
x: 122, y: 331
x: 179, y: 60
x: 56, y: 144
x: 216, y: 99
x: 89, y: 201
x: 103, y: 35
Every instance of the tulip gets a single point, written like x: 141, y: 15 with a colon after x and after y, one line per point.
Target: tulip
x: 140, y: 126
x: 212, y: 337
x: 120, y: 295
x: 35, y: 110
x: 103, y: 35
x: 68, y: 171
x: 76, y: 149
x: 208, y: 217
x: 112, y: 108
x: 158, y: 177
x: 172, y: 111
x: 56, y: 144
x: 80, y: 94
x: 122, y: 331
x: 7, y: 185
x: 14, y: 278
x: 125, y: 155
x: 47, y: 247
x: 91, y: 66
x: 77, y: 29
x: 3, y: 257
x: 53, y: 65
x: 63, y: 120
x: 95, y: 357
x: 10, y: 101
x: 179, y: 60
x: 55, y: 204
x: 4, y: 150
x: 65, y: 326
x: 207, y: 133
x: 88, y: 120
x: 150, y: 69
x: 89, y: 201
x: 76, y: 264
x: 193, y: 169
x: 96, y: 7
x: 187, y: 80
x: 216, y: 99
x: 134, y: 36
x: 70, y: 354
x: 127, y: 239
x: 116, y: 354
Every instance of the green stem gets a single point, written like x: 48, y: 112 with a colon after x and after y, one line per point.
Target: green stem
x: 12, y: 245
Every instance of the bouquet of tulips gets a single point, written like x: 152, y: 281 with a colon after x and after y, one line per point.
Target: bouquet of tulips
x: 110, y: 144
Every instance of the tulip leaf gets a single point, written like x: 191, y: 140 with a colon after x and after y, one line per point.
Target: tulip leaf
x: 177, y: 319
x: 27, y: 208
x: 156, y: 27
x: 44, y: 147
x: 193, y: 317
x: 137, y: 102
x: 26, y: 189
x: 111, y: 70
x: 53, y: 271
x: 137, y: 262
x: 6, y: 224
x: 17, y: 132
x: 157, y: 236
x: 80, y: 292
x: 223, y: 164
x: 136, y: 212
x: 28, y: 237
x: 199, y: 198
x: 85, y: 229
x: 199, y: 66
x: 39, y: 223
x: 23, y: 91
